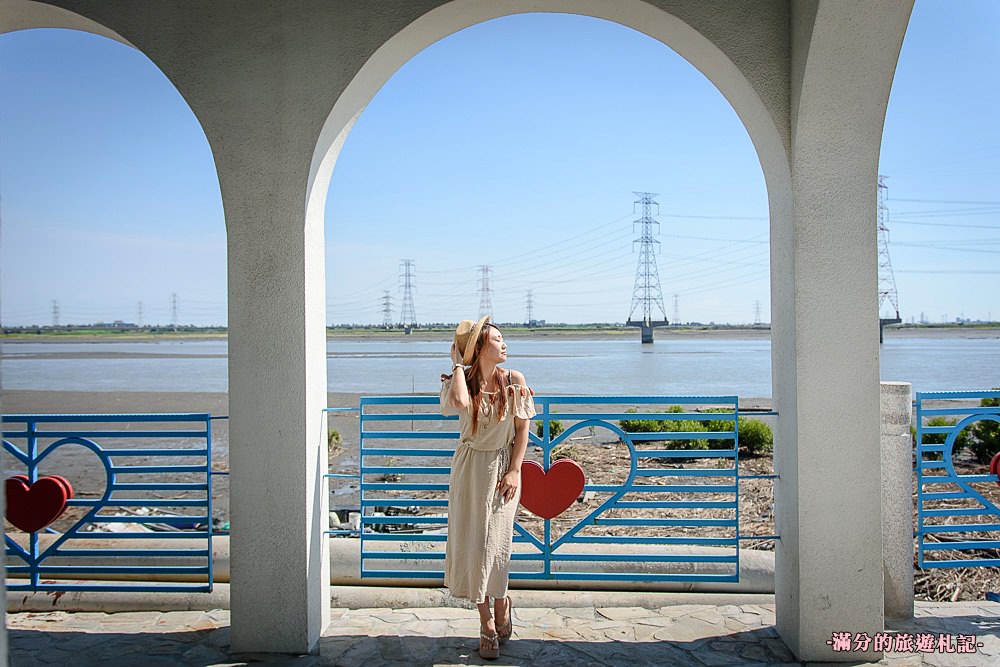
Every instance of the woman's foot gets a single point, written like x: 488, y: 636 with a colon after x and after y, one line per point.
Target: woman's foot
x: 504, y: 610
x: 489, y: 643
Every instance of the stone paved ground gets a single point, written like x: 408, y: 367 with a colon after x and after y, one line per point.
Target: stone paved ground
x: 697, y: 635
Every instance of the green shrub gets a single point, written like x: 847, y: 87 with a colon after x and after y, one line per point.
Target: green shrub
x: 756, y: 437
x: 987, y: 433
x: 667, y: 426
x: 333, y: 442
x: 555, y: 428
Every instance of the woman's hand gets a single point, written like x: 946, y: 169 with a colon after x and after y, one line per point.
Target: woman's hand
x: 508, y: 484
x: 456, y: 356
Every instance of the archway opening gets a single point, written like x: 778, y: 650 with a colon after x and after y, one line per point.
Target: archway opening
x: 114, y: 247
x: 498, y: 168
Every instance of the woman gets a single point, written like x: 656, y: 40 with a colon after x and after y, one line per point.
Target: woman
x: 494, y: 407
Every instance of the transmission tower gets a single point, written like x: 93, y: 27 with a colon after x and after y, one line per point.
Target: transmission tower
x: 55, y: 313
x: 756, y: 313
x: 529, y: 319
x: 139, y: 319
x: 386, y: 310
x: 677, y: 311
x: 173, y: 310
x: 647, y: 293
x: 485, y: 292
x: 407, y: 314
x: 886, y: 280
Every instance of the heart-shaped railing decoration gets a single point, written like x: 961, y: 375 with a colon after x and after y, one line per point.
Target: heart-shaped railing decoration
x: 590, y: 519
x: 32, y: 507
x: 549, y: 493
x: 41, y: 509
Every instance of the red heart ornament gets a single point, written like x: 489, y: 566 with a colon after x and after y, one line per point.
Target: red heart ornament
x: 33, y: 507
x: 549, y: 493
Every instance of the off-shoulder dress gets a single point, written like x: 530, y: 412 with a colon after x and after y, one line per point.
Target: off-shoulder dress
x: 480, y: 523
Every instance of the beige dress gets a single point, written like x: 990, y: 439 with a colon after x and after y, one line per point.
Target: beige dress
x: 480, y: 523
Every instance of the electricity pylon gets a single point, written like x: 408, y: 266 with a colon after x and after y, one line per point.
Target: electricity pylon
x: 407, y: 314
x: 485, y: 292
x: 886, y: 279
x: 646, y: 295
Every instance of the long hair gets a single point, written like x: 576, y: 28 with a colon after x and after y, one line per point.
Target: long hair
x: 474, y: 380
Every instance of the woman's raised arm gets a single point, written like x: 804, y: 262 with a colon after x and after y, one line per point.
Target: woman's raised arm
x: 458, y: 394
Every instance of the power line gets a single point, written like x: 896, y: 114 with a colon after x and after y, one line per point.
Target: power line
x: 949, y: 201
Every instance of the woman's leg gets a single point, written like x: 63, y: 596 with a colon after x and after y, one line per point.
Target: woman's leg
x: 500, y: 607
x: 487, y: 628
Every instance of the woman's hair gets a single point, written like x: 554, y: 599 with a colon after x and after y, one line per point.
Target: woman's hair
x: 473, y: 380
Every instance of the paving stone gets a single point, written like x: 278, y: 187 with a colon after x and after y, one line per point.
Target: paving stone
x: 683, y: 609
x: 678, y: 635
x: 709, y: 616
x: 530, y: 613
x: 688, y: 629
x: 423, y: 628
x: 644, y: 633
x: 30, y: 641
x: 588, y: 634
x: 394, y: 616
x: 778, y: 649
x: 567, y: 634
x: 202, y: 655
x: 220, y: 615
x: 749, y: 620
x: 655, y: 621
x: 604, y: 625
x: 444, y: 613
x: 550, y: 620
x: 623, y: 613
x: 572, y: 612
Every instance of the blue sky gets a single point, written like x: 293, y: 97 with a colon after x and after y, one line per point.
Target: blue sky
x: 516, y: 144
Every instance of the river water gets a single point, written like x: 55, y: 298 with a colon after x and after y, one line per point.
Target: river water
x: 688, y: 365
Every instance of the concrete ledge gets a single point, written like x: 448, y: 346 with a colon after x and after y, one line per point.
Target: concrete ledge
x: 113, y: 601
x: 756, y: 567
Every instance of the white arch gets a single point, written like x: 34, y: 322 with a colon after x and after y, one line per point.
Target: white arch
x: 25, y: 15
x: 639, y: 15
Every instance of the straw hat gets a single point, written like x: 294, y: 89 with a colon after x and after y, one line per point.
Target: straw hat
x: 466, y: 336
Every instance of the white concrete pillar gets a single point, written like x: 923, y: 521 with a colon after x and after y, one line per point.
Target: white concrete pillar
x: 897, y: 498
x: 277, y: 451
x: 829, y: 563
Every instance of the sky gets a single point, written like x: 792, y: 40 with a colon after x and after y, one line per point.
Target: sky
x: 517, y: 144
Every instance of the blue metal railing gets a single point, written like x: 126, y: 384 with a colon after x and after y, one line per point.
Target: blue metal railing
x: 680, y: 497
x: 949, y: 508
x: 175, y: 473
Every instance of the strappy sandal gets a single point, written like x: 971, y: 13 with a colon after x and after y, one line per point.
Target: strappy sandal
x: 504, y: 632
x: 491, y: 653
